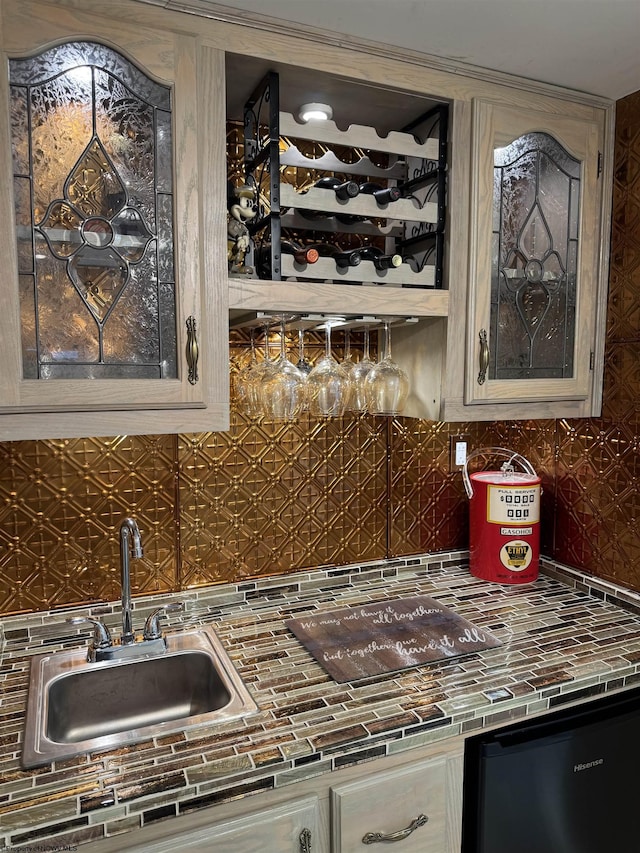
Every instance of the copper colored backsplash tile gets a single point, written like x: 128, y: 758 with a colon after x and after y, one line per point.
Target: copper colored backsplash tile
x: 61, y: 504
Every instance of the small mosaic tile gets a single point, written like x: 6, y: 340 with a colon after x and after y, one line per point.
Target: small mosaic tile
x: 126, y: 824
x: 577, y: 695
x: 224, y: 768
x: 67, y: 836
x: 128, y: 792
x: 498, y: 695
x: 153, y: 815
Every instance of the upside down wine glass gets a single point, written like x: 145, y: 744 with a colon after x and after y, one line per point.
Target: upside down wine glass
x: 245, y: 383
x: 303, y: 362
x: 387, y: 385
x: 328, y: 384
x: 358, y: 375
x: 250, y: 381
x: 284, y: 388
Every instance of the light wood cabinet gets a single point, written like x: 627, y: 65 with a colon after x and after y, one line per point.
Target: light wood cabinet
x: 292, y: 827
x: 472, y: 389
x: 193, y: 54
x: 194, y: 395
x: 406, y: 805
x: 535, y: 283
x: 327, y: 813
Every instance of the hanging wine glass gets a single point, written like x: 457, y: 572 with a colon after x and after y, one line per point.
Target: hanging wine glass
x: 328, y: 384
x: 387, y: 385
x: 303, y: 362
x: 264, y: 370
x: 359, y: 373
x: 283, y: 390
x: 246, y: 384
x: 347, y: 362
x: 251, y: 387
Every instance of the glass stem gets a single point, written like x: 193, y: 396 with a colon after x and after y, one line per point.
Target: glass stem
x: 328, y: 341
x: 282, y: 346
x: 387, y: 341
x: 366, y: 344
x: 266, y: 342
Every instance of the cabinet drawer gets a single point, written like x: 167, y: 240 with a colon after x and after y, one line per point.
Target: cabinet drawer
x: 389, y: 803
x: 275, y: 830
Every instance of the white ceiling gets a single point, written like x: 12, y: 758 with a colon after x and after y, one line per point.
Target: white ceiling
x: 589, y: 45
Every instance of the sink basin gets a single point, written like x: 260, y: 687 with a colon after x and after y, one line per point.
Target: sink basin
x: 76, y: 707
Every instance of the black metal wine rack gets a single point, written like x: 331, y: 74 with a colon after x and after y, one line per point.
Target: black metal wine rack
x: 414, y: 226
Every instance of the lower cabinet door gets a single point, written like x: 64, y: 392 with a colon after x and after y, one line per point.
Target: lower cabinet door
x: 405, y: 806
x: 288, y: 828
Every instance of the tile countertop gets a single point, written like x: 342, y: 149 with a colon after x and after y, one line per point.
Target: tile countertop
x: 565, y: 637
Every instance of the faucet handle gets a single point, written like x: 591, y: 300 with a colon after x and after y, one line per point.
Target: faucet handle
x: 152, y: 629
x: 101, y: 634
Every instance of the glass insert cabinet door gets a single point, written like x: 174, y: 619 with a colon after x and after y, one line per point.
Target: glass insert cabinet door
x: 534, y: 256
x: 92, y: 146
x: 108, y: 294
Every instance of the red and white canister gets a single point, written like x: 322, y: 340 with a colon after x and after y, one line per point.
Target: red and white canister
x: 504, y: 519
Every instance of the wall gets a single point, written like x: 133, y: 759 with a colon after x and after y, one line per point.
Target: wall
x: 265, y: 499
x: 596, y: 477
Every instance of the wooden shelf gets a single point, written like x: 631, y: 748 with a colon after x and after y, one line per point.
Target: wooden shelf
x: 250, y: 294
x: 405, y: 209
x: 325, y: 271
x: 359, y: 136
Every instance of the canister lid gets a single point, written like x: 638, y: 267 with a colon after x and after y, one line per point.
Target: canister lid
x: 505, y: 478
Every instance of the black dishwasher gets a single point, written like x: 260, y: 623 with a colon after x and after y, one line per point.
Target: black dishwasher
x: 563, y: 783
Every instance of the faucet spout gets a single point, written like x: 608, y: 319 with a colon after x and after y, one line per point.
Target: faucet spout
x: 130, y: 546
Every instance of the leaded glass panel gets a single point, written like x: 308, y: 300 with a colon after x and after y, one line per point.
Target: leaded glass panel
x: 93, y: 185
x: 536, y: 198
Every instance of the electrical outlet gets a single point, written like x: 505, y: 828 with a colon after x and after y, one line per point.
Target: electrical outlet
x: 458, y: 451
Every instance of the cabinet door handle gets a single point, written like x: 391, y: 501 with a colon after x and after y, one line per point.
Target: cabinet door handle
x: 305, y: 841
x: 483, y: 359
x: 192, y: 350
x: 374, y: 837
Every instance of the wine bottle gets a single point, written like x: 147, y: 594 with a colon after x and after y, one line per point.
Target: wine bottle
x: 381, y: 261
x: 344, y: 190
x: 382, y: 195
x: 314, y: 214
x: 349, y: 218
x: 302, y: 255
x: 343, y: 258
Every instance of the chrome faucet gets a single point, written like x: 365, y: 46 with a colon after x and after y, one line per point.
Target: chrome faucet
x: 153, y: 641
x: 130, y: 544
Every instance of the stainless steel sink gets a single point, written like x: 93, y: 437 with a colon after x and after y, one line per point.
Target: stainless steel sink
x: 76, y: 707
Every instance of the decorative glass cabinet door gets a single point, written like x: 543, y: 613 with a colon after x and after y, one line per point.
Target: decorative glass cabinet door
x: 534, y: 256
x: 92, y: 137
x: 107, y: 289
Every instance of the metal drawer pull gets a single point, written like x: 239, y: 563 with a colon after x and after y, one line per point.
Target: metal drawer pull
x: 374, y: 837
x: 484, y: 356
x: 305, y: 841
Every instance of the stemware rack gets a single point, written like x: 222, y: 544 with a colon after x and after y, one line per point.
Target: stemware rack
x: 311, y: 322
x: 414, y: 225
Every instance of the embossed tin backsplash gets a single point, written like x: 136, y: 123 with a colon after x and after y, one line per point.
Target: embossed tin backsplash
x: 265, y: 499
